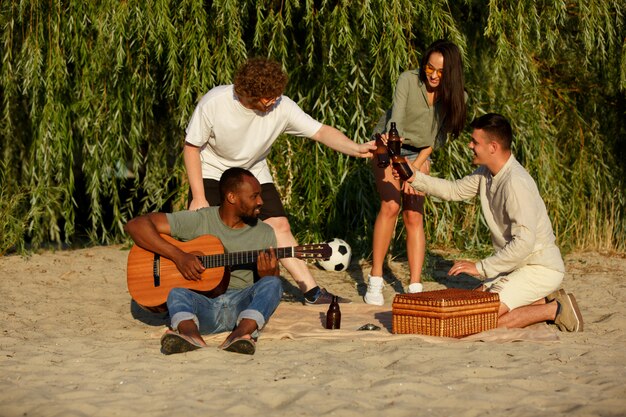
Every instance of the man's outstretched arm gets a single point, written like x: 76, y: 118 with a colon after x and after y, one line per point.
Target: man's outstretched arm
x: 336, y: 140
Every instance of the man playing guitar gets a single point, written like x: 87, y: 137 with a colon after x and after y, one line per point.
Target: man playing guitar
x: 246, y: 305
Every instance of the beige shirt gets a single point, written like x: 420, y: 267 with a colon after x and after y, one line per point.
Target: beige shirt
x: 521, y: 232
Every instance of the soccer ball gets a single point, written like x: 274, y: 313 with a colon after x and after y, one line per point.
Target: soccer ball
x: 339, y: 258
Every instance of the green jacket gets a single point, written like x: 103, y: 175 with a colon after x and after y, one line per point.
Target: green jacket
x: 416, y: 120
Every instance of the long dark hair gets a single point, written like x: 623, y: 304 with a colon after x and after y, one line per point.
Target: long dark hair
x: 451, y: 91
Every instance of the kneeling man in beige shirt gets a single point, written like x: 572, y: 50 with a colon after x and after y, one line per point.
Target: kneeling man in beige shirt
x: 526, y: 269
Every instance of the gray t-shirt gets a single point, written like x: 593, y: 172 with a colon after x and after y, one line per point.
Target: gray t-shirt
x: 187, y: 225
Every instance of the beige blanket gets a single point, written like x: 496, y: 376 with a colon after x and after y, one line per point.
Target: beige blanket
x: 295, y: 321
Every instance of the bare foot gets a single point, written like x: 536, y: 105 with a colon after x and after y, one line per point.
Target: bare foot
x: 242, y: 332
x: 189, y: 330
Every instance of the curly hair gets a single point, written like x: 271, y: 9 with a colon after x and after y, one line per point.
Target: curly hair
x: 260, y: 78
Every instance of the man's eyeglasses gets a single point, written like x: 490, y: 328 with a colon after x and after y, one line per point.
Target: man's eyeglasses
x: 429, y: 70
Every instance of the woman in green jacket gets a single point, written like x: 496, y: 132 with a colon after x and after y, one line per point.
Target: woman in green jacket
x: 428, y: 104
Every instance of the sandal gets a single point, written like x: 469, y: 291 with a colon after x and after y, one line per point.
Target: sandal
x: 172, y: 342
x: 240, y: 345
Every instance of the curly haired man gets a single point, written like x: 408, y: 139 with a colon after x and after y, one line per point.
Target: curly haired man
x: 235, y: 126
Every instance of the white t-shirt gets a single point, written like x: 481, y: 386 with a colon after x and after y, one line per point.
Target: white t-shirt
x: 231, y: 135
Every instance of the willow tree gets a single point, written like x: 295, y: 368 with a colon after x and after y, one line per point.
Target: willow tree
x: 96, y: 95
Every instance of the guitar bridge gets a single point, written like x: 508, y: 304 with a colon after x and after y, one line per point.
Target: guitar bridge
x: 156, y: 270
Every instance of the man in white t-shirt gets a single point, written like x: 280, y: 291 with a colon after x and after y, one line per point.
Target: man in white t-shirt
x: 235, y: 126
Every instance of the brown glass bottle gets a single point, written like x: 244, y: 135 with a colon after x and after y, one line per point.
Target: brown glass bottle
x: 382, y: 155
x: 333, y: 315
x: 401, y: 166
x: 393, y: 139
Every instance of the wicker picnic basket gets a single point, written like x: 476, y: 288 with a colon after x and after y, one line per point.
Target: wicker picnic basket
x: 451, y: 312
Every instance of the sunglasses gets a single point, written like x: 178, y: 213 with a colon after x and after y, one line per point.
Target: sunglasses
x: 429, y: 70
x: 268, y: 102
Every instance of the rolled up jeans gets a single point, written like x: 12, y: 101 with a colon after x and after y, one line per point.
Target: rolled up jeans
x: 223, y: 313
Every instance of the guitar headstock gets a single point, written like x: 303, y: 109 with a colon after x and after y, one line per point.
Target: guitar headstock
x: 313, y: 251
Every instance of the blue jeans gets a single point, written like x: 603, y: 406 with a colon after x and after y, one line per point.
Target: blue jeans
x: 223, y: 313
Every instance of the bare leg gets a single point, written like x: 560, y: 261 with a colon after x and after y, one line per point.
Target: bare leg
x: 413, y: 215
x: 296, y: 267
x: 526, y: 315
x: 389, y: 190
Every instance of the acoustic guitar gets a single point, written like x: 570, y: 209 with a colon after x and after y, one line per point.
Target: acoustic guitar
x: 150, y: 277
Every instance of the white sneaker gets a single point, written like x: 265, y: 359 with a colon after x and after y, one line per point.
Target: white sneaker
x: 415, y: 287
x: 374, y: 294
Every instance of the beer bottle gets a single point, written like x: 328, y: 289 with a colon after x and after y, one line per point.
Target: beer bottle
x: 382, y: 155
x: 333, y: 315
x: 401, y: 166
x: 393, y: 139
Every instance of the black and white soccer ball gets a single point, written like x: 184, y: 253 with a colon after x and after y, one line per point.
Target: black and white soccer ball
x: 340, y: 256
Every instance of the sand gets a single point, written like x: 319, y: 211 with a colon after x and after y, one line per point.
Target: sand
x: 73, y: 344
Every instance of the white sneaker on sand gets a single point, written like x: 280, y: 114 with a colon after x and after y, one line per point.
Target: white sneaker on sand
x: 374, y: 294
x: 415, y: 287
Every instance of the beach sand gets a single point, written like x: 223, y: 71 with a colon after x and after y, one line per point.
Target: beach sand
x: 73, y: 344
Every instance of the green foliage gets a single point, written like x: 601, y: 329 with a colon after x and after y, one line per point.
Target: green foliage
x: 13, y: 215
x: 95, y: 97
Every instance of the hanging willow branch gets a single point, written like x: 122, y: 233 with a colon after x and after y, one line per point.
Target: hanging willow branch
x: 95, y: 97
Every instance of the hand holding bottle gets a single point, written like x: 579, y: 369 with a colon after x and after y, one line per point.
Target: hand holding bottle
x: 381, y: 152
x: 401, y: 168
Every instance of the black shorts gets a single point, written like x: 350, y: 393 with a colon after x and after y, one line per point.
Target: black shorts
x: 272, y: 205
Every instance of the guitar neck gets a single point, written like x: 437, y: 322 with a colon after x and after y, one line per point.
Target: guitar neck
x: 242, y: 258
